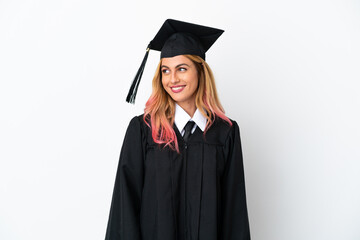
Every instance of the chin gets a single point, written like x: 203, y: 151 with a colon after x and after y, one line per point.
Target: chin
x: 177, y: 99
x: 180, y: 98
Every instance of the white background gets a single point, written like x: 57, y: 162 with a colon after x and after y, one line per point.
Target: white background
x: 286, y: 71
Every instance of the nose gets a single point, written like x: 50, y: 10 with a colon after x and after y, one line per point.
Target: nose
x: 174, y: 77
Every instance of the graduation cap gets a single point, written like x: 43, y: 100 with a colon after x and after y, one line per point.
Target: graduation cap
x: 177, y: 38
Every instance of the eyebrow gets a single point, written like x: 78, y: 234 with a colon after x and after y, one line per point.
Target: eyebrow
x: 176, y: 65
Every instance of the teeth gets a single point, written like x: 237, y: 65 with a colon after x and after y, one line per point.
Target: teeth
x: 177, y: 88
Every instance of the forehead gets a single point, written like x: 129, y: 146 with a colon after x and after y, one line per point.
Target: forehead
x: 176, y: 60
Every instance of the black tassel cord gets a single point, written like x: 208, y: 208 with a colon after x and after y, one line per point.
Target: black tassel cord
x: 135, y: 84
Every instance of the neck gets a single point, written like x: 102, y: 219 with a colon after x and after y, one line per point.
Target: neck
x: 189, y: 108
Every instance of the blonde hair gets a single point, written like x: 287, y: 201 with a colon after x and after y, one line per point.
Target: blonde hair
x: 159, y: 112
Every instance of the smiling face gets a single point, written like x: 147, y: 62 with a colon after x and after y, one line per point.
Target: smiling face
x: 180, y: 80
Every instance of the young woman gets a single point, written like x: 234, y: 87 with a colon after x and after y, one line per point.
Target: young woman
x: 180, y: 174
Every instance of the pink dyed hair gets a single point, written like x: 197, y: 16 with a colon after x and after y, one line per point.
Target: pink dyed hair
x: 159, y: 112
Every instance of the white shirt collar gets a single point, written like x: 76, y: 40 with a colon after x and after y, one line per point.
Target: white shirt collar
x: 181, y: 118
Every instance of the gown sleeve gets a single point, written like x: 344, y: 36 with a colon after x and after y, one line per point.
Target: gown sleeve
x: 235, y: 222
x: 124, y: 216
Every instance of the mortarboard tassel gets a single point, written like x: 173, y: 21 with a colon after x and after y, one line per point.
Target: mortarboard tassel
x: 135, y: 84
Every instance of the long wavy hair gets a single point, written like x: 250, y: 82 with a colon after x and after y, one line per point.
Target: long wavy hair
x: 159, y: 112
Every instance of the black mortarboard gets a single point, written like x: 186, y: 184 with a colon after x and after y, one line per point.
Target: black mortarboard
x: 177, y: 38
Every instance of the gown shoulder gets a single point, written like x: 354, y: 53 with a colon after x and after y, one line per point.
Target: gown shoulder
x: 218, y: 133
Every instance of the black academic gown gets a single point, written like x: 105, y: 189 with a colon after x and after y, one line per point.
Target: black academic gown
x: 198, y: 194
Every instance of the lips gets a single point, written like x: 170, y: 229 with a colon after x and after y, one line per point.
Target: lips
x: 177, y: 88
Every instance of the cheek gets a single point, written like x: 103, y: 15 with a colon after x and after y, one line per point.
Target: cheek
x: 195, y: 81
x: 164, y: 83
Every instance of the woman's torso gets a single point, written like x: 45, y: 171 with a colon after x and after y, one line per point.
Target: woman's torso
x: 181, y: 194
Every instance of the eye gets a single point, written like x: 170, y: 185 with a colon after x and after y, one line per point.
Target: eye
x: 165, y: 71
x: 182, y: 69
